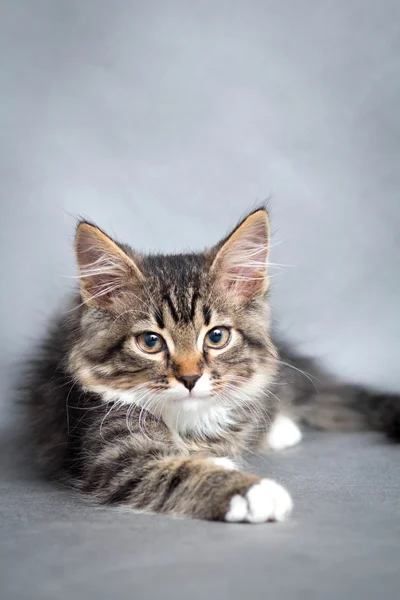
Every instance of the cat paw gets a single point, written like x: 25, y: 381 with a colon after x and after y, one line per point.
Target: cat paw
x: 264, y: 501
x: 224, y: 461
x: 284, y: 433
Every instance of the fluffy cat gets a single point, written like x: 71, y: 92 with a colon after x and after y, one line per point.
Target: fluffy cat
x: 163, y: 374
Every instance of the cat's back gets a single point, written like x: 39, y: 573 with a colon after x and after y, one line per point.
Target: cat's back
x: 48, y: 389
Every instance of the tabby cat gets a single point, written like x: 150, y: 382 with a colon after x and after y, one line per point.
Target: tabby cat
x: 163, y: 374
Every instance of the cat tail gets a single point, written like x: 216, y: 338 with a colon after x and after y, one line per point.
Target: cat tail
x: 348, y: 408
x: 384, y: 414
x: 310, y: 396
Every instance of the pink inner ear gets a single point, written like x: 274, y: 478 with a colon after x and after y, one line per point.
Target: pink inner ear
x: 104, y: 269
x: 246, y: 273
x: 244, y: 258
x: 100, y: 278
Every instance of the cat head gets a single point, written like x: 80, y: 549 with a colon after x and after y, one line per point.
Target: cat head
x: 183, y: 329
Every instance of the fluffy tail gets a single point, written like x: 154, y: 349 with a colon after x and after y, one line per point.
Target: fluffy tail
x: 343, y: 408
x: 315, y: 399
x: 384, y: 414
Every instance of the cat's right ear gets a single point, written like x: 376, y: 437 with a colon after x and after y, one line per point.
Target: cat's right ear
x: 105, y: 270
x: 241, y: 261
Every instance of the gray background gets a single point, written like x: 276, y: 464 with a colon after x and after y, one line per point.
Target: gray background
x: 164, y: 122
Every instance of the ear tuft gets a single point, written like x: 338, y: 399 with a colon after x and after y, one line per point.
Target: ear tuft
x: 241, y: 261
x: 105, y: 269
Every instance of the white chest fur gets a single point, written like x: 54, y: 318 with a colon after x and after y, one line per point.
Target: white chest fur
x: 200, y: 417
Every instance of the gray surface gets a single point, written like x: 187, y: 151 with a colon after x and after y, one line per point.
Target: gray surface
x: 163, y: 121
x: 342, y: 541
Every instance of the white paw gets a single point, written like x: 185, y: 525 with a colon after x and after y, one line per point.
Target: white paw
x: 224, y: 461
x: 284, y: 433
x: 264, y: 501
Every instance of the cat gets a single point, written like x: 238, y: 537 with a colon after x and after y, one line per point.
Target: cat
x: 163, y: 374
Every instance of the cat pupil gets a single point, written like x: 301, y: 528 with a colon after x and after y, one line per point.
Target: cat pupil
x: 151, y: 340
x: 215, y: 336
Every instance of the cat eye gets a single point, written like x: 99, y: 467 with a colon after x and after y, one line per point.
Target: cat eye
x: 150, y: 342
x: 218, y: 338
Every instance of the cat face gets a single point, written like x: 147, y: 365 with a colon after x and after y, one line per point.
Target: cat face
x: 180, y: 329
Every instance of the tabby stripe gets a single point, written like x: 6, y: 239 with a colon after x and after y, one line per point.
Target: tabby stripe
x: 205, y: 355
x: 179, y: 476
x: 110, y: 352
x: 206, y: 315
x: 113, y: 430
x: 121, y: 372
x: 195, y: 297
x: 125, y: 489
x: 251, y: 341
x: 107, y: 468
x: 159, y: 318
x: 171, y: 307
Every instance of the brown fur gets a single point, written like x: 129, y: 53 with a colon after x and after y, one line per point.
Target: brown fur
x: 98, y: 404
x: 124, y: 453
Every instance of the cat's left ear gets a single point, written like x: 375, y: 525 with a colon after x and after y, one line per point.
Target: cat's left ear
x: 241, y: 260
x: 106, y: 270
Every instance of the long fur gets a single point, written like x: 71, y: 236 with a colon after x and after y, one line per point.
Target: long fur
x: 119, y: 424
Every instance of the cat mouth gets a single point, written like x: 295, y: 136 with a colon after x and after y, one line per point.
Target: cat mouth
x: 186, y: 395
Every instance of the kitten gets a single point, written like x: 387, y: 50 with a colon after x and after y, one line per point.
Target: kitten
x: 161, y: 376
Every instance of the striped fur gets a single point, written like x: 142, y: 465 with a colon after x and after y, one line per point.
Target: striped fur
x: 121, y: 424
x: 118, y: 422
